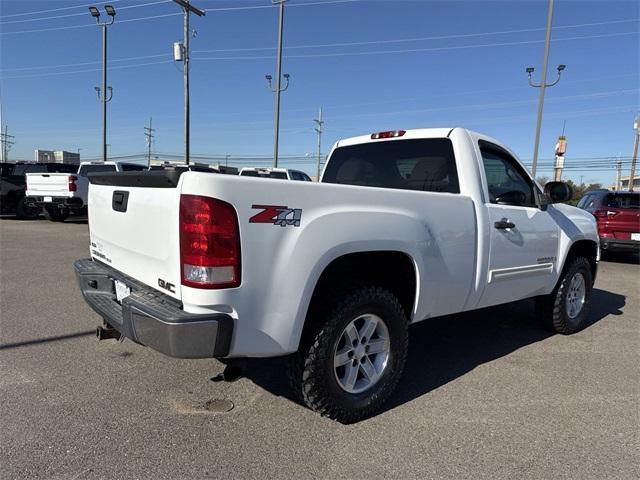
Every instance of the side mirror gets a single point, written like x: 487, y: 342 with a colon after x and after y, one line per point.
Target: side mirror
x: 512, y: 197
x: 558, y: 192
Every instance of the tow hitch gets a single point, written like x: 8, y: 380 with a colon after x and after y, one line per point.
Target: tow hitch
x: 106, y: 332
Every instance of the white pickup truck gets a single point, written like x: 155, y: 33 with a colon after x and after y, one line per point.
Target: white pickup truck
x: 57, y: 194
x: 405, y: 226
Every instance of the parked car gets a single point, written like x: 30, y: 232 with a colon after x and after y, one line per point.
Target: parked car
x: 59, y: 194
x: 280, y: 173
x: 618, y: 217
x: 13, y: 185
x: 405, y: 226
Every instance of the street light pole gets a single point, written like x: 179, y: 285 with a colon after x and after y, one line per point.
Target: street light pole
x: 318, y: 129
x: 102, y: 94
x: 543, y: 85
x: 278, y: 90
x: 187, y: 8
x: 632, y: 173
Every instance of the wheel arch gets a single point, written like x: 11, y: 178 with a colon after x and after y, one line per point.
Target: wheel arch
x: 391, y: 269
x: 583, y: 248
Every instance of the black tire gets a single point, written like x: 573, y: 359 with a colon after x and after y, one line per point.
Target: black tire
x: 552, y: 309
x: 312, y: 374
x: 25, y: 212
x: 55, y: 214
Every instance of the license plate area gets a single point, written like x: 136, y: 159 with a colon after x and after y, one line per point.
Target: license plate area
x: 635, y: 236
x: 48, y: 199
x: 122, y: 290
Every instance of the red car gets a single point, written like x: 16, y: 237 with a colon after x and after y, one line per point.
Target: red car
x: 618, y: 216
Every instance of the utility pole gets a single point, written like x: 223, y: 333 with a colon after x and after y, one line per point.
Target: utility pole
x: 187, y: 8
x: 632, y: 173
x: 278, y: 90
x: 7, y: 142
x: 318, y: 129
x: 102, y: 95
x: 148, y: 133
x: 543, y: 85
x: 618, y: 174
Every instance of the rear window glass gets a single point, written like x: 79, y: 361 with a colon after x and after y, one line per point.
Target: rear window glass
x: 96, y: 168
x: 28, y: 168
x: 421, y: 164
x: 127, y: 167
x: 622, y: 200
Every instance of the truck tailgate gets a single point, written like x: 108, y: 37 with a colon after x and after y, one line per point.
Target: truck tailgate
x: 48, y: 184
x: 135, y: 230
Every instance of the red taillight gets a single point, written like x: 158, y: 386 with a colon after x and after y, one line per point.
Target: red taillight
x: 605, y: 213
x: 72, y: 183
x: 209, y: 243
x: 389, y: 134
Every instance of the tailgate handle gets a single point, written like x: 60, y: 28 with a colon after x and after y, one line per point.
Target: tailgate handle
x: 120, y: 200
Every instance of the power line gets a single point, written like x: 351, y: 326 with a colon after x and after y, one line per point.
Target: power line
x: 417, y: 39
x: 224, y: 9
x: 325, y: 55
x: 80, y: 14
x: 418, y: 50
x: 52, y: 10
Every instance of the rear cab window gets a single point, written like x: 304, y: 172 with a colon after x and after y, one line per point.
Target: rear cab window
x: 413, y: 164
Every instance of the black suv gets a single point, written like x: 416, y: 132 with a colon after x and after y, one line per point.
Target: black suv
x: 13, y: 185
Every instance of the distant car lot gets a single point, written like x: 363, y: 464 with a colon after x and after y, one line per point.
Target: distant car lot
x: 492, y: 395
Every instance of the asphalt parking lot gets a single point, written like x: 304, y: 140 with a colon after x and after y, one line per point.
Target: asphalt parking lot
x: 485, y: 395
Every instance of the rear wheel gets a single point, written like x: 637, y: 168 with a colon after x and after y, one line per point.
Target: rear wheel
x: 24, y: 211
x: 55, y: 214
x: 352, y: 360
x: 565, y: 310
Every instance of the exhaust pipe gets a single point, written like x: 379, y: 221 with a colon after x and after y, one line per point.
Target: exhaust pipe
x: 104, y: 333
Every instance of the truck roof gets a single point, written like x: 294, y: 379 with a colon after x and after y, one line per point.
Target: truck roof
x: 412, y: 133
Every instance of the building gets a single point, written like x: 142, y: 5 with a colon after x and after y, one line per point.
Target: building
x: 624, y: 183
x: 57, y: 156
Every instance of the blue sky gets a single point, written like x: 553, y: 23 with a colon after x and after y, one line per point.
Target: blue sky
x: 414, y: 64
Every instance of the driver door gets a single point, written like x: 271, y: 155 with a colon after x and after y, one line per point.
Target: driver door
x: 523, y: 238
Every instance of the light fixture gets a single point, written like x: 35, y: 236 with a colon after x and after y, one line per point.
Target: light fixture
x: 94, y: 12
x: 110, y: 10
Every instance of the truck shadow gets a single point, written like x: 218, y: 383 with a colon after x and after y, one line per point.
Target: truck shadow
x: 445, y: 348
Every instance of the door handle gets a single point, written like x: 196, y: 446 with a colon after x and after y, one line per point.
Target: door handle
x: 504, y: 223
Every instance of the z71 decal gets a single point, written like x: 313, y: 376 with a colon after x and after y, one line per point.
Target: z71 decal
x: 277, y: 215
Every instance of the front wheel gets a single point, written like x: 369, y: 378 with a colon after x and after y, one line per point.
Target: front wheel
x: 352, y: 360
x: 565, y: 310
x: 55, y: 214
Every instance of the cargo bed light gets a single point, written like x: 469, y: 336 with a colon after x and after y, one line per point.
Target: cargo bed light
x: 388, y: 134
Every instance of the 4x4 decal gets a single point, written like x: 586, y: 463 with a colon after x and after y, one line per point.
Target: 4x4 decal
x: 277, y: 215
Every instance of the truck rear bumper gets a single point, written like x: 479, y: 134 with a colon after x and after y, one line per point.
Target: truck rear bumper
x: 60, y: 202
x: 151, y: 318
x: 608, y: 243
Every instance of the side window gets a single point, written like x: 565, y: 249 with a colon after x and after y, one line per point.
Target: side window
x: 507, y: 183
x: 584, y: 202
x: 295, y: 175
